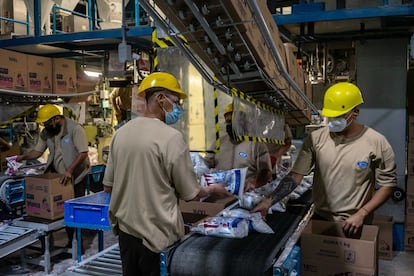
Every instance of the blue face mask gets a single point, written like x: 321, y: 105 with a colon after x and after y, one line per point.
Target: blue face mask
x: 173, y: 116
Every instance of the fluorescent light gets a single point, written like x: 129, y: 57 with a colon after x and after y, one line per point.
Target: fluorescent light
x: 93, y: 74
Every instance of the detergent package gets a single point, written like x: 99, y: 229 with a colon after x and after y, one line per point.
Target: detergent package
x: 233, y: 179
x: 227, y: 227
x: 200, y: 166
x: 256, y: 222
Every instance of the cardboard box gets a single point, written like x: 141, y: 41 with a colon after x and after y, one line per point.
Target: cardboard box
x: 326, y: 251
x: 410, y: 166
x: 385, y: 236
x: 39, y: 70
x: 13, y: 70
x: 45, y: 196
x: 411, y: 128
x: 409, y: 238
x: 209, y: 207
x: 409, y: 201
x: 191, y: 220
x: 64, y: 76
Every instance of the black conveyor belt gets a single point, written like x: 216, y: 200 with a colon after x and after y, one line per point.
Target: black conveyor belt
x: 253, y: 255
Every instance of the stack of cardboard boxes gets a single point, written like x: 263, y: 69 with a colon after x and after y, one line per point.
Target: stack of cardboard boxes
x: 30, y: 73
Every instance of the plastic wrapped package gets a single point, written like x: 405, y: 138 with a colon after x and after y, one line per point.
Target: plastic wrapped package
x: 249, y: 200
x: 200, y: 166
x: 227, y: 227
x: 256, y: 222
x: 233, y: 179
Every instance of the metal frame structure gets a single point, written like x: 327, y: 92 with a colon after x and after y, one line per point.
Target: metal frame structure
x: 315, y: 12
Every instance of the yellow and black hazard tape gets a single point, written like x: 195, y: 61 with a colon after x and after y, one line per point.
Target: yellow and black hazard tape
x: 241, y: 95
x: 260, y: 139
x: 237, y: 93
x: 19, y: 118
x: 163, y: 43
x: 216, y: 120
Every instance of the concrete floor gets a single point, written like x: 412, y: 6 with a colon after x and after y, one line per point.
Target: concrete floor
x: 402, y: 263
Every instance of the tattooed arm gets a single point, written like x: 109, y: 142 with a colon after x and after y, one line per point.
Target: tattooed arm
x: 285, y: 187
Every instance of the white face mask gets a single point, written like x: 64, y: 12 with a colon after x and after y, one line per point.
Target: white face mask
x: 338, y: 124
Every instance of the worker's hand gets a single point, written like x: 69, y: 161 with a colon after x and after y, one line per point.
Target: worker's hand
x: 220, y: 190
x: 67, y: 177
x: 250, y: 184
x: 263, y: 207
x: 19, y: 158
x: 353, y: 225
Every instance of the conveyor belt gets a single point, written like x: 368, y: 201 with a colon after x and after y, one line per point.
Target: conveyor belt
x: 107, y: 262
x: 254, y: 255
x: 13, y: 238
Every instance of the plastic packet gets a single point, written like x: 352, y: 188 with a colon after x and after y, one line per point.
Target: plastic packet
x: 200, y: 166
x: 234, y: 180
x: 12, y: 163
x: 256, y: 222
x: 227, y: 227
x: 249, y: 200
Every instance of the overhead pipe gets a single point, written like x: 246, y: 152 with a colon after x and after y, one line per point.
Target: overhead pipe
x: 265, y: 31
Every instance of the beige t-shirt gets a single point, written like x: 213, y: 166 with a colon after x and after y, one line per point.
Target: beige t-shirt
x: 253, y: 155
x: 149, y: 168
x: 345, y: 170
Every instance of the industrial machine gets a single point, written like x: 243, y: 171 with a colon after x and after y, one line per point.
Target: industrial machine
x: 12, y: 196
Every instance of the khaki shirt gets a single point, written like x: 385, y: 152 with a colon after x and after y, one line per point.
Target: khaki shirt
x: 346, y: 170
x: 149, y: 168
x: 253, y: 155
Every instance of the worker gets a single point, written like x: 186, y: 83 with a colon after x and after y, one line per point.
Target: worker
x: 121, y: 103
x: 68, y: 151
x: 148, y: 169
x: 4, y: 145
x: 348, y: 158
x: 277, y: 152
x: 240, y: 154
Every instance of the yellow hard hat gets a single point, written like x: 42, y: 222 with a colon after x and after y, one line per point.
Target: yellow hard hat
x: 47, y: 112
x: 161, y: 80
x: 229, y: 108
x: 341, y: 98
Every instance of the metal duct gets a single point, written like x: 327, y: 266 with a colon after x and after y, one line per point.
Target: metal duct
x: 46, y: 8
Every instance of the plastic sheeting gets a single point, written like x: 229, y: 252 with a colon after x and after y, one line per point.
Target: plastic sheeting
x: 255, y: 123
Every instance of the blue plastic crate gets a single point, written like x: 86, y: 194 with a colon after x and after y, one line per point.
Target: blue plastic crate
x: 89, y: 212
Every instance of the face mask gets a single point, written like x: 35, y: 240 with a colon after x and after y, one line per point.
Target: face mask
x: 338, y: 124
x: 52, y: 130
x: 230, y: 132
x: 173, y: 116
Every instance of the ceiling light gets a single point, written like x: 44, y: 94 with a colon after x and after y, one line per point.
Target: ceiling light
x: 182, y: 14
x: 237, y: 57
x: 228, y: 34
x: 92, y: 73
x: 230, y: 47
x: 205, y: 10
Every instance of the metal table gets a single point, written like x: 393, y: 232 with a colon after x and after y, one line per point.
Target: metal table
x: 42, y: 228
